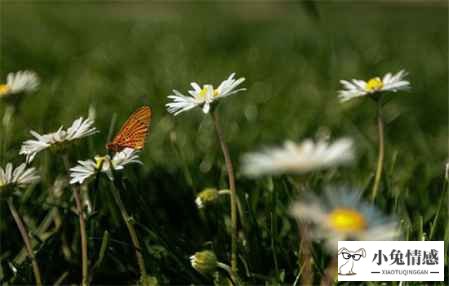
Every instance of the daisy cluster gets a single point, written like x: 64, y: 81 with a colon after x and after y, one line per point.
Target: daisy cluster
x: 25, y: 82
x: 21, y: 82
x: 339, y: 213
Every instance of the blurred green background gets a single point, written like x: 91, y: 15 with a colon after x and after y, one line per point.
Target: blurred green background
x: 118, y: 56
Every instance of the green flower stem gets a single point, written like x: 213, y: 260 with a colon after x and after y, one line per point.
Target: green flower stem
x: 305, y: 256
x: 233, y: 194
x: 239, y: 206
x: 228, y: 271
x: 79, y: 209
x: 84, y: 256
x: 380, y: 159
x: 42, y: 232
x: 26, y: 240
x: 329, y: 274
x: 93, y: 223
x: 129, y: 225
x: 7, y: 124
x: 437, y: 214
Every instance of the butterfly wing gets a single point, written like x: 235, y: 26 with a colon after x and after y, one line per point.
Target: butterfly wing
x: 134, y: 131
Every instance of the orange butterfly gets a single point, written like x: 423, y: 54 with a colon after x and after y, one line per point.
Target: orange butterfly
x: 133, y: 132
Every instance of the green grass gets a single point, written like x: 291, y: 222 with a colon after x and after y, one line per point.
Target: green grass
x: 118, y: 56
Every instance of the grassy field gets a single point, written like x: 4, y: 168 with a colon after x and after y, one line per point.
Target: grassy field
x: 115, y: 57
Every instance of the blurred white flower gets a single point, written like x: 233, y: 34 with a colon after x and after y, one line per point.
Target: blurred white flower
x: 298, y: 158
x: 88, y: 168
x: 18, y: 177
x: 21, y: 81
x: 80, y: 128
x: 340, y: 214
x: 357, y: 88
x: 203, y: 97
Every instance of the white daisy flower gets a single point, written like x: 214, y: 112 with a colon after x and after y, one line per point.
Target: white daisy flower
x: 357, y: 88
x: 85, y: 169
x: 203, y: 97
x: 340, y: 214
x: 18, y: 177
x: 88, y: 168
x: 80, y: 128
x: 21, y: 81
x: 125, y: 157
x: 298, y: 158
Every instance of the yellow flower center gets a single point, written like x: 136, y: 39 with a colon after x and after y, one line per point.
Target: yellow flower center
x: 2, y: 183
x: 99, y: 160
x: 374, y: 84
x: 202, y: 94
x: 347, y: 220
x: 4, y: 89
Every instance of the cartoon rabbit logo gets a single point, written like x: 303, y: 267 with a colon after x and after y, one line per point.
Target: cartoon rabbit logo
x: 347, y: 268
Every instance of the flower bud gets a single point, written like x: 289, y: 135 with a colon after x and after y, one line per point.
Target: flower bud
x: 205, y: 262
x: 206, y: 197
x: 148, y: 281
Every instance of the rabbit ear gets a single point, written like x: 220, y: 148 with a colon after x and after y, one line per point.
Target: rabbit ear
x: 363, y: 252
x: 341, y: 250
